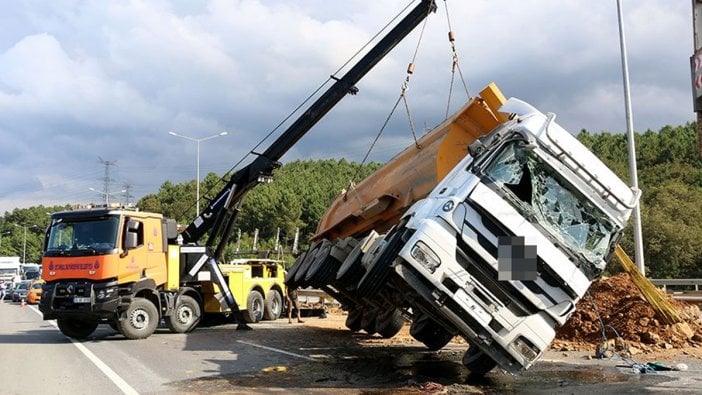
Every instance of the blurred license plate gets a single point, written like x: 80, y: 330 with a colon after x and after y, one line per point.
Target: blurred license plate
x: 81, y: 299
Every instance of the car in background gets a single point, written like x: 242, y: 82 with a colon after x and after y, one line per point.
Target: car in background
x: 21, y: 290
x: 35, y: 291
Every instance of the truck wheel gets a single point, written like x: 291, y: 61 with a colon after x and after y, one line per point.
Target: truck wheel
x: 323, y: 268
x: 390, y: 323
x: 351, y: 270
x: 379, y: 270
x: 77, y: 329
x: 273, y: 306
x: 477, y: 361
x: 301, y: 272
x: 353, y: 320
x: 141, y: 319
x: 290, y: 276
x: 186, y: 315
x: 254, y: 307
x: 369, y: 321
x: 433, y: 335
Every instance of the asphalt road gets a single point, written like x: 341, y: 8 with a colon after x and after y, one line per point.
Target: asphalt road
x: 277, y: 357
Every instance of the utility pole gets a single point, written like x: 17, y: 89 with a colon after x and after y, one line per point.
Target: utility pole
x: 107, y: 180
x: 696, y: 68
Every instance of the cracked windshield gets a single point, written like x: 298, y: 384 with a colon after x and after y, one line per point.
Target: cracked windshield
x: 556, y: 205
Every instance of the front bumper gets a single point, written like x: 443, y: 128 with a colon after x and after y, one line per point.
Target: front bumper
x: 80, y: 299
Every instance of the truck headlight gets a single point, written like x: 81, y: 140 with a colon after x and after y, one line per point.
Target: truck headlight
x: 526, y: 348
x: 425, y: 256
x: 105, y: 293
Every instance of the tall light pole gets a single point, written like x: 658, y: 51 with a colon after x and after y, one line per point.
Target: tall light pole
x: 24, y: 243
x: 638, y: 238
x: 197, y: 171
x: 107, y: 194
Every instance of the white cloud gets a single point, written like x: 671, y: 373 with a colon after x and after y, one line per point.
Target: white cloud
x: 81, y: 80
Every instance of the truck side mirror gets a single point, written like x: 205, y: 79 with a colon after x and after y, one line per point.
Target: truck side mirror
x: 131, y: 238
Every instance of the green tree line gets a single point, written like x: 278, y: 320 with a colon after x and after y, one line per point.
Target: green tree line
x: 669, y: 170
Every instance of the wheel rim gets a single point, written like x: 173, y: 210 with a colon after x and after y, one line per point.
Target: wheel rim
x: 139, y: 318
x: 258, y: 309
x: 184, y: 314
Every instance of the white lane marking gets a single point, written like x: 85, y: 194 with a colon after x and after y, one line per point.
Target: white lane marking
x: 277, y: 350
x: 119, y: 382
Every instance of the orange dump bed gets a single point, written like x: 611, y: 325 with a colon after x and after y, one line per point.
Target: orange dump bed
x: 379, y: 201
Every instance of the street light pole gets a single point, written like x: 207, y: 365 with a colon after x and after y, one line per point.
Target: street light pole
x: 197, y: 164
x: 24, y: 243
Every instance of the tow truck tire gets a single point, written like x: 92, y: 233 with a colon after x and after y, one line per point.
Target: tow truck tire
x: 477, y: 361
x: 353, y: 320
x: 369, y: 321
x: 390, y: 323
x: 186, y: 315
x: 254, y: 307
x: 140, y: 321
x: 273, y: 307
x: 77, y: 329
x: 433, y: 335
x: 380, y: 268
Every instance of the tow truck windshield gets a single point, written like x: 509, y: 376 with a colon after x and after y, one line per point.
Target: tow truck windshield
x: 81, y: 237
x: 539, y: 192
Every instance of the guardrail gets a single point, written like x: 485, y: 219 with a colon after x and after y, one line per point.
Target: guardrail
x: 665, y: 282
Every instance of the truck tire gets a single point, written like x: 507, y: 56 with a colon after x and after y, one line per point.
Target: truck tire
x: 273, y: 307
x: 351, y: 270
x: 379, y: 270
x: 477, y: 361
x: 353, y: 320
x: 301, y: 272
x: 186, y: 315
x: 77, y: 329
x: 141, y: 319
x: 369, y: 321
x: 323, y: 268
x: 290, y: 276
x: 390, y: 323
x: 254, y: 307
x: 427, y: 331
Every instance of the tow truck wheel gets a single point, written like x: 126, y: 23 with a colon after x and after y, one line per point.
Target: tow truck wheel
x: 390, y: 323
x: 141, y: 319
x: 254, y: 307
x: 477, y: 361
x: 77, y: 329
x: 186, y: 315
x: 273, y: 305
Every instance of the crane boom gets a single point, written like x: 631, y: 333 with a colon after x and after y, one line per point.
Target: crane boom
x: 218, y: 217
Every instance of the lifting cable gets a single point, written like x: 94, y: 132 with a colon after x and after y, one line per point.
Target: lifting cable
x: 401, y: 97
x: 308, y: 98
x: 454, y: 65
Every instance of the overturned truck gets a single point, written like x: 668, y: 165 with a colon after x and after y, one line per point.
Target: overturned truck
x: 491, y: 227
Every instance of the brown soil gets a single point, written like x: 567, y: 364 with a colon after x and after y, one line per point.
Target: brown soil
x: 630, y: 322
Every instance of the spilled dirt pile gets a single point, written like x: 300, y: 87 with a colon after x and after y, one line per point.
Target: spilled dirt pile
x: 625, y: 313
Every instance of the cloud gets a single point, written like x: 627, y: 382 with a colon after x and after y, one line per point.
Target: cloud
x: 86, y: 80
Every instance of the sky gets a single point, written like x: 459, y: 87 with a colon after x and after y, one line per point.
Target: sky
x: 86, y: 82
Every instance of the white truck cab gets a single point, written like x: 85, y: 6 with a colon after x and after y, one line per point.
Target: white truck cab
x: 508, y: 242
